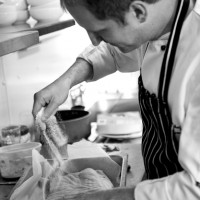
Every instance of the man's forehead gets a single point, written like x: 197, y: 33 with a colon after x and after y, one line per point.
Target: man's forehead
x: 86, y: 19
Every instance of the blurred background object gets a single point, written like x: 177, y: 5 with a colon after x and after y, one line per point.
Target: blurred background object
x: 10, y: 135
x: 8, y: 14
x: 13, y: 12
x: 25, y: 134
x: 45, y: 10
x: 77, y: 94
x: 14, y: 134
x: 22, y: 16
x: 19, y: 4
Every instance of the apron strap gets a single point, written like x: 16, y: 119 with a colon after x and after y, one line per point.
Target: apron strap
x: 169, y: 56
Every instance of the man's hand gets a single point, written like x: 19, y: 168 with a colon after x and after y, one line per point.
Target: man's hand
x: 50, y: 97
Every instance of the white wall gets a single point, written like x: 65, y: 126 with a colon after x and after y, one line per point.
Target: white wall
x: 31, y: 69
x: 25, y: 72
x: 4, y: 109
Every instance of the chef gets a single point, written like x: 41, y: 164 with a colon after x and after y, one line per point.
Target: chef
x: 161, y: 38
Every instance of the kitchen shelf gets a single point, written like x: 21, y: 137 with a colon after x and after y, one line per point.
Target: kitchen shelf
x: 15, y: 38
x: 44, y: 29
x: 16, y: 41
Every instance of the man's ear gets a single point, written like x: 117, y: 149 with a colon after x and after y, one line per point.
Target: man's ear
x: 139, y: 10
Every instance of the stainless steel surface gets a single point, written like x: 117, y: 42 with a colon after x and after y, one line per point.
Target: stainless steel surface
x: 121, y: 159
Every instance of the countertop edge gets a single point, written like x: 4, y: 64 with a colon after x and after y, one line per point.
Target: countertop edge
x: 17, y: 41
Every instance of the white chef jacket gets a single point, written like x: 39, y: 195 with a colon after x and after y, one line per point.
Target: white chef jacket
x: 183, y: 100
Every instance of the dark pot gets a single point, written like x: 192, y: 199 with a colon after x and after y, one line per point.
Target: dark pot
x: 74, y: 123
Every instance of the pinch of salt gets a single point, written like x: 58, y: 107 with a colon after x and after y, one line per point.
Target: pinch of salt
x: 39, y: 122
x: 55, y: 132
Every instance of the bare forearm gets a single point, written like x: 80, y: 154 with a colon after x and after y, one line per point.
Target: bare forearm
x: 56, y: 93
x: 80, y: 71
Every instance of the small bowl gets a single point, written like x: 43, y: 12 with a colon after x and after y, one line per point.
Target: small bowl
x: 51, y: 4
x: 14, y: 159
x: 19, y: 4
x: 39, y: 2
x: 7, y: 8
x: 74, y: 123
x: 7, y: 18
x: 22, y: 16
x: 46, y: 14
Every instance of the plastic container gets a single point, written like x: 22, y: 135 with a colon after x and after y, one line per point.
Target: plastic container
x: 14, y: 159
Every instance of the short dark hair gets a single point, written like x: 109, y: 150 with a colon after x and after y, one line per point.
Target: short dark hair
x: 105, y: 9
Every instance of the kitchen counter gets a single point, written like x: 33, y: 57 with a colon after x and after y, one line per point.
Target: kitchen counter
x: 18, y: 37
x: 135, y: 172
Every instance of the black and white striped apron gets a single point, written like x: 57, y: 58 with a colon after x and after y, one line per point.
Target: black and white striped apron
x: 159, y: 143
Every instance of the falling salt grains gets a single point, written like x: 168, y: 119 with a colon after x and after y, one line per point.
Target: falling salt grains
x: 53, y: 138
x: 54, y: 132
x: 56, y: 135
x: 56, y: 145
x: 53, y: 151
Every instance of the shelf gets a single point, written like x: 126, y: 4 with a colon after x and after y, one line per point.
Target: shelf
x: 18, y: 37
x: 16, y: 41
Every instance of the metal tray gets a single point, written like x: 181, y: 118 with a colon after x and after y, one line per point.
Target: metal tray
x: 121, y: 159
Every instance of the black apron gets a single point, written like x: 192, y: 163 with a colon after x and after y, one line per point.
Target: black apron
x: 159, y: 142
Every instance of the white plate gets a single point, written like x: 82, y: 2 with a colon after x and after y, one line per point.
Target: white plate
x: 95, y: 134
x: 121, y: 123
x: 123, y: 136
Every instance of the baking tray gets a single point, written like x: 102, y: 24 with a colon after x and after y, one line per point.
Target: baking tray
x: 121, y: 159
x: 116, y: 173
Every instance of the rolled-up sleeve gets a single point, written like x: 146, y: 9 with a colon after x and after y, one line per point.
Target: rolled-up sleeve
x: 107, y: 59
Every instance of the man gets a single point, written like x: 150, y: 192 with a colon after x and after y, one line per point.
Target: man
x: 169, y: 85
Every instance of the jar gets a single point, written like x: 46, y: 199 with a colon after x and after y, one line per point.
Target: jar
x: 25, y: 134
x: 10, y: 135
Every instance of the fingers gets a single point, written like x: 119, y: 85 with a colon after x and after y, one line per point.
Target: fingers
x: 49, y: 110
x: 39, y: 102
x: 48, y: 103
x: 50, y: 98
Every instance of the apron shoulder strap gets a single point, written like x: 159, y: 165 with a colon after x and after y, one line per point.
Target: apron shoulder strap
x: 169, y: 56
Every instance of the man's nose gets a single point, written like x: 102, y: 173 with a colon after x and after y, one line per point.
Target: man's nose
x: 95, y: 39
